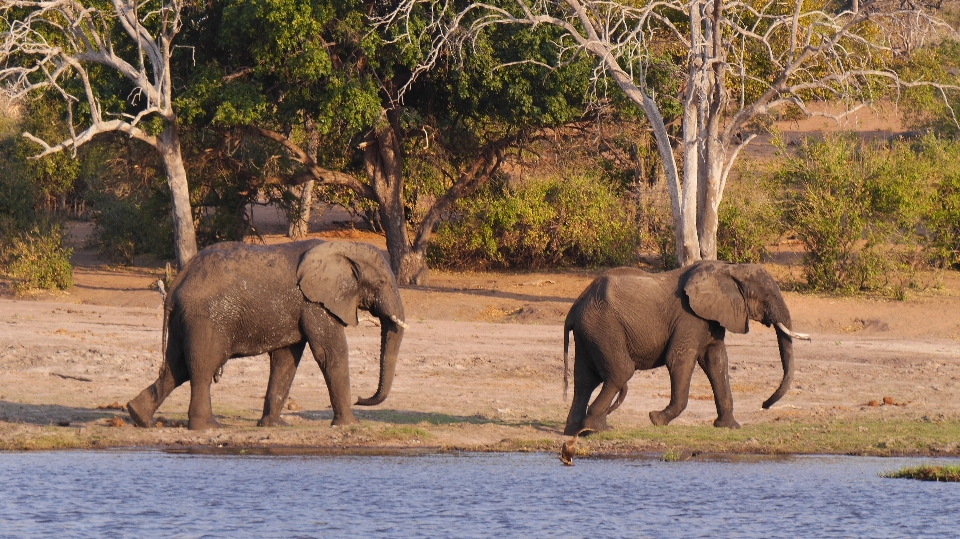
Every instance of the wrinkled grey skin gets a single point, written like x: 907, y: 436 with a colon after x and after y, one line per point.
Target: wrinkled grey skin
x: 628, y: 320
x: 236, y: 300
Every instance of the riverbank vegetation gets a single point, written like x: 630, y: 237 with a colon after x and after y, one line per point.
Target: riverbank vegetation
x: 926, y: 472
x: 508, y: 152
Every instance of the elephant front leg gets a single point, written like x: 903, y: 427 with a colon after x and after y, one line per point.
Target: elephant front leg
x: 681, y: 371
x: 332, y: 357
x: 715, y: 364
x: 283, y: 368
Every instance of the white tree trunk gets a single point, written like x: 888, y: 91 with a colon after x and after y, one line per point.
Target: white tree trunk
x: 300, y: 221
x: 184, y: 233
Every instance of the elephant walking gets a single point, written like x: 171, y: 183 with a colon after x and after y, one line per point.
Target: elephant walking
x: 628, y: 320
x: 236, y: 300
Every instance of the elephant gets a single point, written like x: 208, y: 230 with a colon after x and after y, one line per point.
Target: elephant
x: 628, y: 320
x: 234, y: 300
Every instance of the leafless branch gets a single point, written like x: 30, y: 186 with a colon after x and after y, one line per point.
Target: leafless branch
x: 52, y: 44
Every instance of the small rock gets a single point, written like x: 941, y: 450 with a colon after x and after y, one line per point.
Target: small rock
x: 888, y: 400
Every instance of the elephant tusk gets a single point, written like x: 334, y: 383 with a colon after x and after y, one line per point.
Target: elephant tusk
x: 399, y: 322
x: 793, y: 334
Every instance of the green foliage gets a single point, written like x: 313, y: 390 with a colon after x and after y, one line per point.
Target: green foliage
x: 835, y: 203
x: 871, y: 215
x: 579, y: 220
x: 37, y: 259
x: 126, y: 226
x: 31, y: 249
x: 748, y: 220
x: 927, y: 107
x: 655, y: 222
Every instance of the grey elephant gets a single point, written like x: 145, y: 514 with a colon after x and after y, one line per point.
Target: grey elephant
x: 628, y: 320
x: 235, y: 300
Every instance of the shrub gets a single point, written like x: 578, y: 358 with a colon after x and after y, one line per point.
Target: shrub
x: 858, y: 208
x: 580, y: 220
x: 942, y: 220
x: 655, y: 221
x: 748, y: 221
x: 126, y: 227
x: 37, y: 259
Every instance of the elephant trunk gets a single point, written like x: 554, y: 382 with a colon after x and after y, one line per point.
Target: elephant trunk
x: 785, y: 343
x: 391, y: 333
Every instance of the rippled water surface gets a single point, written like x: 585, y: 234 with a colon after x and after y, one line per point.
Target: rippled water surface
x: 155, y: 494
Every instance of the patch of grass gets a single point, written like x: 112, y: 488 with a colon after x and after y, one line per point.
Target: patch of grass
x: 672, y: 456
x: 883, y: 438
x: 926, y: 472
x: 404, y: 433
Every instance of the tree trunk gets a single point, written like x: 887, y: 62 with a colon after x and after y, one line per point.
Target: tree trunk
x: 300, y: 220
x: 383, y: 156
x: 300, y: 217
x: 184, y: 233
x: 480, y: 171
x: 714, y: 151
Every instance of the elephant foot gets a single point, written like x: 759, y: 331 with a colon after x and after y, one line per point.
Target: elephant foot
x: 729, y: 423
x: 270, y: 421
x: 659, y: 418
x: 579, y: 432
x: 203, y: 424
x: 344, y: 420
x: 140, y: 418
x: 592, y: 425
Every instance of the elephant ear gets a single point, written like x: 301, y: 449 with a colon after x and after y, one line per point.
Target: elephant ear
x: 714, y: 295
x: 326, y: 276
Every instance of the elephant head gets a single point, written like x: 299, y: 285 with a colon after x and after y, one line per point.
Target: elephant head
x: 344, y: 277
x: 732, y: 294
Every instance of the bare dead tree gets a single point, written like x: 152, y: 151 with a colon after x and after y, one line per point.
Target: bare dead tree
x: 54, y: 46
x: 744, y: 60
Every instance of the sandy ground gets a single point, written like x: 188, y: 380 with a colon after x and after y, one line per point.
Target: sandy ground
x: 480, y: 367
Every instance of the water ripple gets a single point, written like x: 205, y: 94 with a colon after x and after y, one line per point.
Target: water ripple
x: 148, y: 494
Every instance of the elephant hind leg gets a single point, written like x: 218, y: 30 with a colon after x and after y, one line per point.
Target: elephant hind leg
x: 620, y: 396
x: 680, y: 366
x: 604, y: 404
x: 173, y: 373
x: 283, y: 368
x: 585, y: 380
x: 612, y: 364
x: 204, y: 355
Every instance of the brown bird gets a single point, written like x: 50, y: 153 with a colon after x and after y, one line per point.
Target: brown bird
x: 569, y: 448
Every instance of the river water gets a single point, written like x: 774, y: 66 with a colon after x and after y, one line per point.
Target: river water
x: 156, y: 494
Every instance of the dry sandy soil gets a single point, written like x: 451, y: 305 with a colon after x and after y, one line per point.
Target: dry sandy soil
x: 480, y: 367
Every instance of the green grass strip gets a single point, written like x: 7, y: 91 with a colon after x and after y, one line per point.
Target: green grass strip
x: 926, y: 472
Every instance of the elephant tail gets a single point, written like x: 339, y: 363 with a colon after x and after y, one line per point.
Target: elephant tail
x: 567, y: 328
x: 620, y: 396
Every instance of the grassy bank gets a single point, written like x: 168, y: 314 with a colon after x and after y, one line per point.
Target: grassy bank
x: 879, y: 438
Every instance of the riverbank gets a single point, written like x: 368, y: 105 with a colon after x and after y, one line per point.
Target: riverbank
x: 481, y: 370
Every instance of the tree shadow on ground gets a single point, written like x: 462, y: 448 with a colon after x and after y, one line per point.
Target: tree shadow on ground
x: 52, y: 414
